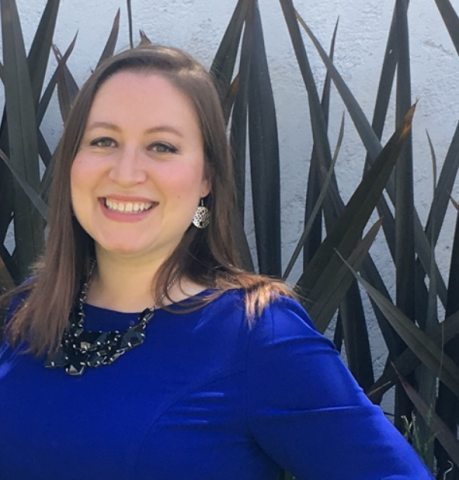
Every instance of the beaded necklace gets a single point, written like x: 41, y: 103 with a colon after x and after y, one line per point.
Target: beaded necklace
x: 80, y: 349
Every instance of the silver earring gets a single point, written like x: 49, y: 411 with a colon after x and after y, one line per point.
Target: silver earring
x: 201, y: 218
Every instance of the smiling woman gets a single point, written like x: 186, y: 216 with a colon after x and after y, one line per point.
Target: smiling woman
x: 138, y: 176
x: 165, y: 359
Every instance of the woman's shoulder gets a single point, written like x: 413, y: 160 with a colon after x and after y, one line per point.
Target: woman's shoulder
x: 281, y: 313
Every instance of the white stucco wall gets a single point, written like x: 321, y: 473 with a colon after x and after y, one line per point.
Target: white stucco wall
x: 198, y: 26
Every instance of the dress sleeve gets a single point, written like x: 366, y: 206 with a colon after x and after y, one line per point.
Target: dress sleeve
x: 307, y: 412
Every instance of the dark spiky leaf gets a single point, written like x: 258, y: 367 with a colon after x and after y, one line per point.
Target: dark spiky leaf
x: 355, y: 334
x: 22, y: 136
x: 318, y: 124
x: 29, y: 191
x: 110, y: 45
x: 445, y: 185
x: 317, y: 207
x: 46, y: 98
x: 67, y: 88
x: 406, y: 363
x: 438, y: 428
x: 131, y: 30
x: 451, y: 20
x: 225, y: 59
x: 314, y: 239
x: 424, y: 347
x: 144, y: 40
x: 264, y: 158
x: 41, y: 48
x: 348, y: 228
x: 238, y: 132
x: 373, y: 147
x: 327, y: 300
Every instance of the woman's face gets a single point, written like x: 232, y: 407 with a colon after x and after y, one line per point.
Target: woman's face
x: 139, y: 173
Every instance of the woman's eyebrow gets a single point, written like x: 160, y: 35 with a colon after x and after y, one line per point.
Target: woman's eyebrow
x: 159, y: 128
x: 107, y: 125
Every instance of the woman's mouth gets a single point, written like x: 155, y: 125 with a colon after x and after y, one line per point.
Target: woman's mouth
x: 130, y: 207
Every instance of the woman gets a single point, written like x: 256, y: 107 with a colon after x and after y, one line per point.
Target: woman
x: 221, y: 375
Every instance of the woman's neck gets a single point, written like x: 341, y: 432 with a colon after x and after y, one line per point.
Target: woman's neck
x: 128, y: 286
x: 122, y: 286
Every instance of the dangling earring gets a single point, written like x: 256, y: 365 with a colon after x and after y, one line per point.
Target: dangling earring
x: 201, y: 218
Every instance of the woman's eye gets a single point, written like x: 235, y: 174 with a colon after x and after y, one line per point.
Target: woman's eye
x: 161, y: 147
x: 103, y: 142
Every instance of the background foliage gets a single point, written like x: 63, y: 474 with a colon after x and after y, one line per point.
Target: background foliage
x: 419, y: 324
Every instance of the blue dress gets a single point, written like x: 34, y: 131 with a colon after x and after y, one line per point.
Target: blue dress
x: 206, y: 397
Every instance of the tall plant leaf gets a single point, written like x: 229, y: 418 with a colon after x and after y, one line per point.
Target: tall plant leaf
x: 67, y: 88
x: 224, y: 62
x: 28, y: 190
x: 448, y: 402
x: 420, y: 343
x: 408, y: 361
x: 451, y: 20
x: 41, y: 48
x: 238, y: 132
x: 131, y: 31
x: 373, y: 147
x: 49, y: 90
x: 312, y: 242
x: 329, y: 299
x: 22, y: 135
x: 449, y: 442
x: 348, y: 228
x: 264, y: 158
x: 317, y: 207
x: 112, y: 39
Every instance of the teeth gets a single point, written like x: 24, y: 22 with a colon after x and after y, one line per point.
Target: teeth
x: 127, y: 207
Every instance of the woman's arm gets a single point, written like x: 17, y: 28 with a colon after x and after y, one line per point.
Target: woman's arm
x: 308, y: 413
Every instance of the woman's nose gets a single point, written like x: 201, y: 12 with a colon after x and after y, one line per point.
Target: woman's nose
x: 128, y: 168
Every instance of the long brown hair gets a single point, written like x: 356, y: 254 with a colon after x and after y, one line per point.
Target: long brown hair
x: 208, y: 257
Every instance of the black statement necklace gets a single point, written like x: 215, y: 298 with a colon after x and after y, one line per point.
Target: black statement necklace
x: 80, y: 349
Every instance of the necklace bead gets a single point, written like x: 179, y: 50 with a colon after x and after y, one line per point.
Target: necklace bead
x: 80, y: 349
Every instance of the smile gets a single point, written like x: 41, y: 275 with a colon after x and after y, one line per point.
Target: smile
x: 127, y: 207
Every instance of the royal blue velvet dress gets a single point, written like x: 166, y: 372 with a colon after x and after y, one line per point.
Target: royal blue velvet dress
x: 206, y: 397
